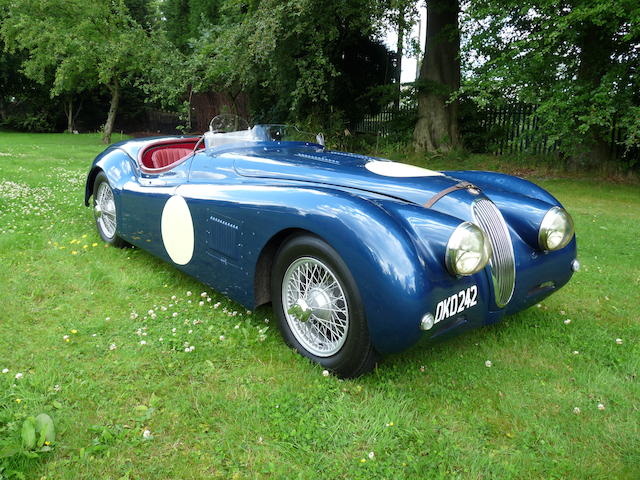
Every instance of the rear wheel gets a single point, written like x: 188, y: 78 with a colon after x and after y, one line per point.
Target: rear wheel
x: 104, y: 209
x: 319, y: 308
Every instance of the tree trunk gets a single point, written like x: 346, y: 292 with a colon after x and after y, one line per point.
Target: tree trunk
x: 113, y: 108
x: 437, y: 125
x: 399, y: 53
x: 69, y: 113
x: 596, y: 49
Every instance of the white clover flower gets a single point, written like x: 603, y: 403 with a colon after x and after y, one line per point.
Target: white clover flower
x: 5, y: 370
x: 600, y: 406
x: 249, y: 312
x: 371, y: 455
x: 173, y: 297
x: 192, y: 348
x: 188, y: 293
x: 174, y: 314
x: 575, y: 352
x: 147, y: 434
x: 143, y: 342
x: 190, y: 331
x: 216, y: 305
x: 567, y: 321
x: 56, y: 388
x: 160, y: 339
x: 208, y: 299
x: 422, y: 368
x: 173, y: 329
x: 19, y: 376
x: 488, y: 363
x: 189, y: 302
x: 134, y: 315
x: 203, y: 294
x: 65, y: 337
x: 150, y: 312
x: 186, y: 349
x: 619, y: 341
x: 107, y: 319
x: 221, y: 338
x: 163, y: 308
x: 237, y: 326
x: 266, y: 320
x: 112, y: 346
x: 325, y: 373
x: 576, y: 410
x: 94, y: 334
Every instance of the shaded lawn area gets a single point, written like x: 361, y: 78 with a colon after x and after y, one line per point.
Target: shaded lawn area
x: 242, y: 405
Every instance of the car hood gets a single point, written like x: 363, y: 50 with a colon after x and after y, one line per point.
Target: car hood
x: 320, y: 166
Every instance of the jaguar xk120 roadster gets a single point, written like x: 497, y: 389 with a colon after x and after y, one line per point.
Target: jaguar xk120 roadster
x: 359, y: 256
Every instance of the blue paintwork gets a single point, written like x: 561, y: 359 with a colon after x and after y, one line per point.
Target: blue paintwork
x: 241, y: 196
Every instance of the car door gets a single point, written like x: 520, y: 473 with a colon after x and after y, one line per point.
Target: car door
x: 142, y: 203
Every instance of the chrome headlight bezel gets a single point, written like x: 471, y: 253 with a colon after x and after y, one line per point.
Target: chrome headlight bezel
x: 556, y: 230
x: 467, y: 242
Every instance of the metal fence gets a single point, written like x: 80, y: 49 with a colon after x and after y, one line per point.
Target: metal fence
x: 384, y: 122
x: 510, y: 129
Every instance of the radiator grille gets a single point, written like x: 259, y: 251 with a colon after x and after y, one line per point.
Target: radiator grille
x: 503, y: 272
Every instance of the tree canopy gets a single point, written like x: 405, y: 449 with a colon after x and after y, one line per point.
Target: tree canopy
x: 577, y: 61
x: 81, y: 45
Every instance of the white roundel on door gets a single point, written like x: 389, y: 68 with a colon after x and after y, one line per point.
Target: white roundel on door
x: 177, y: 230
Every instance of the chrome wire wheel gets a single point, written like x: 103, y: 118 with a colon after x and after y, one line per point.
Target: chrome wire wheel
x: 315, y: 306
x: 105, y: 210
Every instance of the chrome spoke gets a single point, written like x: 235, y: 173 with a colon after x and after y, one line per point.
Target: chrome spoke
x: 105, y: 210
x: 310, y: 286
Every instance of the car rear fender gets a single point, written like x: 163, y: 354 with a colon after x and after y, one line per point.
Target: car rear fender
x: 117, y: 165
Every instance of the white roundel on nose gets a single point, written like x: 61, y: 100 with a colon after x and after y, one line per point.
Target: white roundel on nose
x: 177, y: 230
x: 396, y: 169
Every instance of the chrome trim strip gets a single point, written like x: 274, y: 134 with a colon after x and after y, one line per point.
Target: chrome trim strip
x: 503, y: 269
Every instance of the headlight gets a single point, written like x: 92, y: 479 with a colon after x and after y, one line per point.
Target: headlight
x: 468, y: 250
x: 556, y: 229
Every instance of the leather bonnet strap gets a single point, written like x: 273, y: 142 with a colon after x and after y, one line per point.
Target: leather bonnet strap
x: 446, y: 191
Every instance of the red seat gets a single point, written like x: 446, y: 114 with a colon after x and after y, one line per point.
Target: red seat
x: 163, y: 157
x: 164, y: 154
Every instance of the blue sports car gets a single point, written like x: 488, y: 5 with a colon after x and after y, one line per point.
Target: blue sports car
x: 359, y: 256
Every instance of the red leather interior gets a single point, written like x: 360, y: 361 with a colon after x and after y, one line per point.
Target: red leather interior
x: 162, y: 156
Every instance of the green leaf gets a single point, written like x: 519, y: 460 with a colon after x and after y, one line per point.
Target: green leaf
x: 8, y: 452
x: 44, y: 425
x: 29, y: 433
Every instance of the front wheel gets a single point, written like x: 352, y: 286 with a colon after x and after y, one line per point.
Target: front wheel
x: 104, y: 209
x: 319, y: 309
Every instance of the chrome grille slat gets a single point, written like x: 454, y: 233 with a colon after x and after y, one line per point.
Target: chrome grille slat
x: 502, y: 263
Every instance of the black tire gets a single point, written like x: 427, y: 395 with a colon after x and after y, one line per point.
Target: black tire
x: 108, y: 235
x: 356, y: 355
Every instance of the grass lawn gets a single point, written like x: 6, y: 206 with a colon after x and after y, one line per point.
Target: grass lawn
x: 99, y: 336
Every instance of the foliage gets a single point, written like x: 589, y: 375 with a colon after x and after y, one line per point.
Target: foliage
x: 293, y: 58
x: 80, y: 45
x: 246, y: 406
x: 577, y: 60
